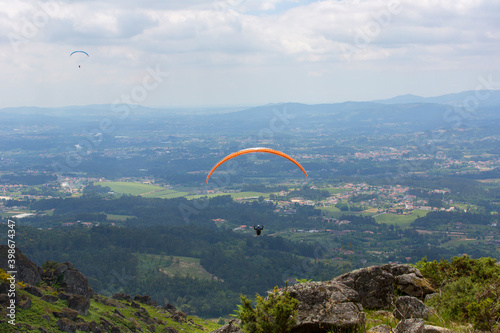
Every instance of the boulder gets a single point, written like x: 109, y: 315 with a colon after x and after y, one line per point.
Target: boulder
x: 330, y: 305
x: 412, y: 285
x: 414, y: 325
x: 436, y: 329
x: 66, y: 313
x: 122, y: 296
x: 410, y: 307
x: 374, y: 285
x: 27, y: 271
x: 60, y: 269
x: 49, y: 298
x: 64, y: 296
x: 401, y: 269
x: 66, y: 325
x: 35, y: 291
x: 84, y: 327
x: 231, y: 327
x: 119, y: 313
x: 169, y: 306
x: 146, y: 299
x: 430, y: 296
x: 380, y: 329
x: 79, y: 303
x: 25, y: 303
x: 76, y: 283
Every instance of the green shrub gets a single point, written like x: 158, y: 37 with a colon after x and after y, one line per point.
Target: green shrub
x: 274, y: 314
x: 470, y: 290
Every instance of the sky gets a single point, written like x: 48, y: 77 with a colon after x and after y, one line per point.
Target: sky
x: 243, y: 52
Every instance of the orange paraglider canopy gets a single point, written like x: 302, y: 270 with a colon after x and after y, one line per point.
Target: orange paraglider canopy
x: 256, y: 150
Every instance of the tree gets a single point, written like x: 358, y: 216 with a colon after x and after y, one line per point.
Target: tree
x: 274, y: 314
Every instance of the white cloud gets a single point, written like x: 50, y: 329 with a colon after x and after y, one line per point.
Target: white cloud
x: 302, y: 38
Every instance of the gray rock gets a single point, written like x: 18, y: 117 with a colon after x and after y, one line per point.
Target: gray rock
x: 66, y: 313
x: 25, y: 303
x: 65, y: 296
x: 49, y: 298
x: 436, y: 329
x: 231, y: 327
x: 79, y: 303
x: 60, y: 269
x: 326, y: 305
x: 430, y: 296
x: 414, y: 325
x: 85, y: 327
x: 373, y: 284
x: 66, y: 325
x: 35, y: 291
x: 76, y: 283
x: 145, y: 299
x: 380, y: 329
x: 412, y: 285
x: 122, y: 296
x: 27, y: 271
x: 410, y: 307
x: 401, y: 269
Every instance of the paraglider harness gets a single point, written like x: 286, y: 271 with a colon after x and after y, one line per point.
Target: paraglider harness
x: 258, y: 228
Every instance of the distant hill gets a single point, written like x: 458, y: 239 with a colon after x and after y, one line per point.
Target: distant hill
x: 485, y: 98
x: 395, y: 115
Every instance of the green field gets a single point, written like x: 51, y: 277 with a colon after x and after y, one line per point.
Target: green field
x: 145, y: 190
x: 233, y: 195
x: 112, y: 217
x: 401, y: 220
x: 174, y: 265
x: 165, y: 194
x: 130, y: 188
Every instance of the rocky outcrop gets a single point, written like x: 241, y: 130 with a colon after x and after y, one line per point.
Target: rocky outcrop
x: 375, y: 284
x: 66, y: 313
x: 27, y: 271
x: 122, y: 296
x: 328, y: 304
x: 76, y: 283
x: 410, y: 307
x: 35, y: 291
x: 145, y: 299
x: 413, y: 285
x: 80, y: 304
x: 380, y: 329
x: 66, y: 325
x: 415, y: 325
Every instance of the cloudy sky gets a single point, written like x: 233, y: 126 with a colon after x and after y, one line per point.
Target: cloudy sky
x: 243, y: 52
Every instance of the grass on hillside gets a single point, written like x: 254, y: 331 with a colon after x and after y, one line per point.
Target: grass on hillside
x: 98, y: 310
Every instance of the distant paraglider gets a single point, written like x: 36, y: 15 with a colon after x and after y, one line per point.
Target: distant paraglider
x: 79, y: 66
x: 256, y: 150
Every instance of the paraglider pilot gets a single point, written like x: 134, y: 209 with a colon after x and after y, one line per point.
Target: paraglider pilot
x: 258, y: 228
